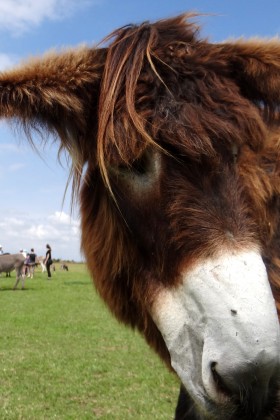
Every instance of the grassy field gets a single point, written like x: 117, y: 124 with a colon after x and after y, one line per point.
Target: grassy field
x: 63, y: 356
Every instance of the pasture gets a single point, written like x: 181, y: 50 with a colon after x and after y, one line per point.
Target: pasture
x: 62, y: 355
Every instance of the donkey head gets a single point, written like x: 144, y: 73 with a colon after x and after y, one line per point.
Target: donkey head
x: 174, y: 143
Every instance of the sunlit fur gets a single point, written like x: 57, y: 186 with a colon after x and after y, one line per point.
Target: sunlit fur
x: 209, y: 112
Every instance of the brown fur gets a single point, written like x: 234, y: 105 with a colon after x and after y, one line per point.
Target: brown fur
x: 209, y: 114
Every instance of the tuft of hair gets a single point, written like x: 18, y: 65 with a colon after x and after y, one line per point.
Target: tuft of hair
x: 124, y: 124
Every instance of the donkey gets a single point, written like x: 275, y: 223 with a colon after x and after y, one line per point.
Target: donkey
x: 176, y: 164
x: 40, y: 260
x: 10, y: 262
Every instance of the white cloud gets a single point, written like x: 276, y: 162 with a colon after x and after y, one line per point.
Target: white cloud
x: 23, y: 231
x: 39, y: 232
x: 11, y: 222
x: 18, y: 16
x: 59, y: 217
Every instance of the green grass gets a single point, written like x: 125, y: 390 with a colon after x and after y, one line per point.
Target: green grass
x: 63, y: 356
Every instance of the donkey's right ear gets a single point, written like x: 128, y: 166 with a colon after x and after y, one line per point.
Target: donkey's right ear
x: 255, y: 65
x: 58, y: 92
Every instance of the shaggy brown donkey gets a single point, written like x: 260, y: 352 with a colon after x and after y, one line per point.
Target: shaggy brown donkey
x: 175, y: 150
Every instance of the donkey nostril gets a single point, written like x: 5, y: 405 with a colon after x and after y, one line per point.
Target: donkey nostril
x: 213, y: 366
x: 219, y: 383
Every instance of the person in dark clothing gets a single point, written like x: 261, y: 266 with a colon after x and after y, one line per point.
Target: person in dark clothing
x: 31, y: 262
x: 48, y: 260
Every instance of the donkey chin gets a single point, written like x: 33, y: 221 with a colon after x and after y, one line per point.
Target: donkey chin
x: 222, y: 332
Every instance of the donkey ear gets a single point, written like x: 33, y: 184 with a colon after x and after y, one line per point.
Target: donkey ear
x: 58, y: 92
x: 255, y: 65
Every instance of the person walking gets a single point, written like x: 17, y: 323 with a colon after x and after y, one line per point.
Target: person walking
x: 48, y: 260
x: 32, y: 262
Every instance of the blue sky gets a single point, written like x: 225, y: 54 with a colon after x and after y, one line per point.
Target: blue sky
x: 32, y: 187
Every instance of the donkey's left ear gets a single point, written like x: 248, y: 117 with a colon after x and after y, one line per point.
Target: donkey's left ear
x: 58, y: 93
x: 255, y: 65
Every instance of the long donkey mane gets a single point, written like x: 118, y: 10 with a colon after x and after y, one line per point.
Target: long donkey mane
x: 148, y: 93
x: 126, y: 123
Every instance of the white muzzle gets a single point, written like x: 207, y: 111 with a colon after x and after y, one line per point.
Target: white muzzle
x: 221, y: 324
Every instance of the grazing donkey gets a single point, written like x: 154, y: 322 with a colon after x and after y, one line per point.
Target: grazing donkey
x: 175, y: 144
x: 10, y: 262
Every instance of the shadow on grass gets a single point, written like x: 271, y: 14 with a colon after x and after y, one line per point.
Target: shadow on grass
x: 19, y: 289
x: 76, y: 283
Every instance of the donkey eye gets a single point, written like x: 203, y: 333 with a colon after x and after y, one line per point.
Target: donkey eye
x: 141, y: 174
x: 139, y: 167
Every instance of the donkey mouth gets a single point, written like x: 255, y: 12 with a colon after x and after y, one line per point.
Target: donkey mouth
x: 251, y: 403
x: 247, y: 407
